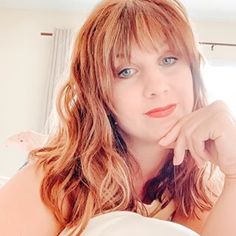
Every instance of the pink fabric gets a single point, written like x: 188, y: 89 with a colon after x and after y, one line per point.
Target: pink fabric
x: 26, y: 140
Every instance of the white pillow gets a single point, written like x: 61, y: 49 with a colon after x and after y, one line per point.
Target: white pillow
x: 124, y: 223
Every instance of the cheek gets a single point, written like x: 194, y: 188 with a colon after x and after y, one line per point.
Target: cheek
x: 186, y: 91
x: 120, y: 103
x: 125, y: 99
x: 183, y: 87
x: 125, y: 106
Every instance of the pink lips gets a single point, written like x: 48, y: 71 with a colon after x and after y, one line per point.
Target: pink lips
x: 161, y: 111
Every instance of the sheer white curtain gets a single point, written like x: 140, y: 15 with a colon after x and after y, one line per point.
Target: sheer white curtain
x: 62, y: 42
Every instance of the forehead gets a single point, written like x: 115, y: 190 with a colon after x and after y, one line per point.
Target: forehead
x: 143, y: 31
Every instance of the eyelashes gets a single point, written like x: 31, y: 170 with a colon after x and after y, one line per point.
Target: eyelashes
x: 166, y: 61
x: 128, y: 72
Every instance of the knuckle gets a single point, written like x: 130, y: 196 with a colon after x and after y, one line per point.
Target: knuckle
x: 219, y: 105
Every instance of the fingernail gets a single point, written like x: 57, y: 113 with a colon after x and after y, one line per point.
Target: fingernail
x: 175, y: 162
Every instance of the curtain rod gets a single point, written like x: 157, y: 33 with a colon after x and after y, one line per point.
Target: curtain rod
x: 212, y: 44
x: 46, y: 34
x: 218, y: 44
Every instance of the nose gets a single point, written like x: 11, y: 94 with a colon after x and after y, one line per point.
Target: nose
x: 155, y: 85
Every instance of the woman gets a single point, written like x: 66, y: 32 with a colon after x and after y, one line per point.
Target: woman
x: 135, y: 133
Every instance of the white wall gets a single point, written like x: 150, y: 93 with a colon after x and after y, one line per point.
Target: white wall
x: 24, y: 65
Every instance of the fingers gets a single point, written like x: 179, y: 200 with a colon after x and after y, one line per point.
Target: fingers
x: 171, y: 137
x: 201, y: 150
x: 196, y: 149
x: 173, y: 134
x: 208, y: 134
x: 188, y: 137
x: 169, y: 146
x: 179, y: 150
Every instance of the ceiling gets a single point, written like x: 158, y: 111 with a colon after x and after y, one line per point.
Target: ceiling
x: 216, y: 10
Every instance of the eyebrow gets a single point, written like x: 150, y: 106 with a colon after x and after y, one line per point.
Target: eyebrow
x: 120, y: 56
x: 162, y: 50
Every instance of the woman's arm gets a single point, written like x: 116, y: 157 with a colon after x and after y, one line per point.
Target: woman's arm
x: 22, y: 210
x: 195, y: 224
x: 210, y: 135
x: 222, y: 219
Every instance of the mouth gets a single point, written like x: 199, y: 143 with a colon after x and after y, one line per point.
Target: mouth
x: 161, y: 111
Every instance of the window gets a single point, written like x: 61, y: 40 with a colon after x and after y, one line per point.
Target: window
x: 220, y: 82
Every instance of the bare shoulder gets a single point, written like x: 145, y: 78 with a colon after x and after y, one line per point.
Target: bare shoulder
x: 193, y: 223
x: 22, y: 209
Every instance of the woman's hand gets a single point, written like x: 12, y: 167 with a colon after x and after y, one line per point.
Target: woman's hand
x: 209, y: 134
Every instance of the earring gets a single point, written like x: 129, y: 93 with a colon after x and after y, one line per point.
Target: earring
x: 115, y: 123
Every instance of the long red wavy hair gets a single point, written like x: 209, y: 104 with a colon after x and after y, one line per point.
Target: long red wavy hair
x: 86, y: 162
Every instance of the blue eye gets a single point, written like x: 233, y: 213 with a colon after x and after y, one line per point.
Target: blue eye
x: 167, y: 61
x: 126, y: 73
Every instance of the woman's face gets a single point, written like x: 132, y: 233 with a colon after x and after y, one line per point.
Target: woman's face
x: 151, y: 93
